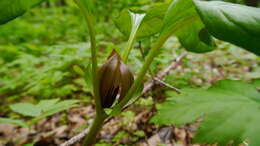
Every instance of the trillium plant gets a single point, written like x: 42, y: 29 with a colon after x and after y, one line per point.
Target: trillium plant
x: 196, y: 24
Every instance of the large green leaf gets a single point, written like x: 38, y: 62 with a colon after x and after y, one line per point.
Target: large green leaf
x: 195, y: 38
x: 10, y: 9
x: 182, y: 20
x: 233, y: 23
x: 230, y: 111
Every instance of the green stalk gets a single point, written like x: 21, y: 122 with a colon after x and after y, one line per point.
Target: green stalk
x: 136, y: 20
x: 94, y: 130
x: 100, y: 114
x: 152, y: 54
x: 92, y: 34
x: 129, y: 46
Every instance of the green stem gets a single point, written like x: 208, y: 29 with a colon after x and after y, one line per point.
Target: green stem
x: 129, y: 46
x: 152, y: 54
x: 94, y: 130
x: 136, y: 20
x: 92, y: 34
x: 154, y: 51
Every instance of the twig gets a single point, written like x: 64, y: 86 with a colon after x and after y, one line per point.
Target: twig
x: 147, y: 88
x: 167, y: 85
x: 76, y: 138
x: 162, y: 74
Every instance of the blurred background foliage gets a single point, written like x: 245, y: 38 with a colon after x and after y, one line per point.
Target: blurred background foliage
x: 39, y: 49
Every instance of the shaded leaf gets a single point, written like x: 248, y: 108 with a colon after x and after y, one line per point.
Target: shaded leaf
x: 182, y: 20
x: 10, y: 9
x: 195, y: 38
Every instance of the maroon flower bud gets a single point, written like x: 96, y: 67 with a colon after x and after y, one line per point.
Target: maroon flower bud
x: 115, y: 79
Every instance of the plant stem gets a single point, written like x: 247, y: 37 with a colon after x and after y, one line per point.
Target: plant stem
x: 152, y: 54
x: 136, y: 20
x: 92, y: 34
x: 129, y: 46
x: 94, y: 130
x: 154, y: 51
x: 100, y: 114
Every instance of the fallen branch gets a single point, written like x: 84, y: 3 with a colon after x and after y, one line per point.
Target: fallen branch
x: 148, y: 87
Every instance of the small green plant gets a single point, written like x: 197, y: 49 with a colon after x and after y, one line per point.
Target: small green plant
x: 195, y: 24
x: 38, y: 111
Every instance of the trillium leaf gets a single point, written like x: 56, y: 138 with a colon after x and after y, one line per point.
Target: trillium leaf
x: 195, y: 38
x: 10, y: 9
x: 229, y: 111
x: 182, y: 20
x: 233, y: 23
x: 153, y: 20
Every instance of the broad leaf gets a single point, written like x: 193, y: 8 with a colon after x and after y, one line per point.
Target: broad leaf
x: 233, y: 23
x: 182, y: 20
x: 15, y: 122
x: 26, y: 109
x: 229, y: 111
x: 195, y: 38
x: 153, y: 20
x: 10, y: 9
